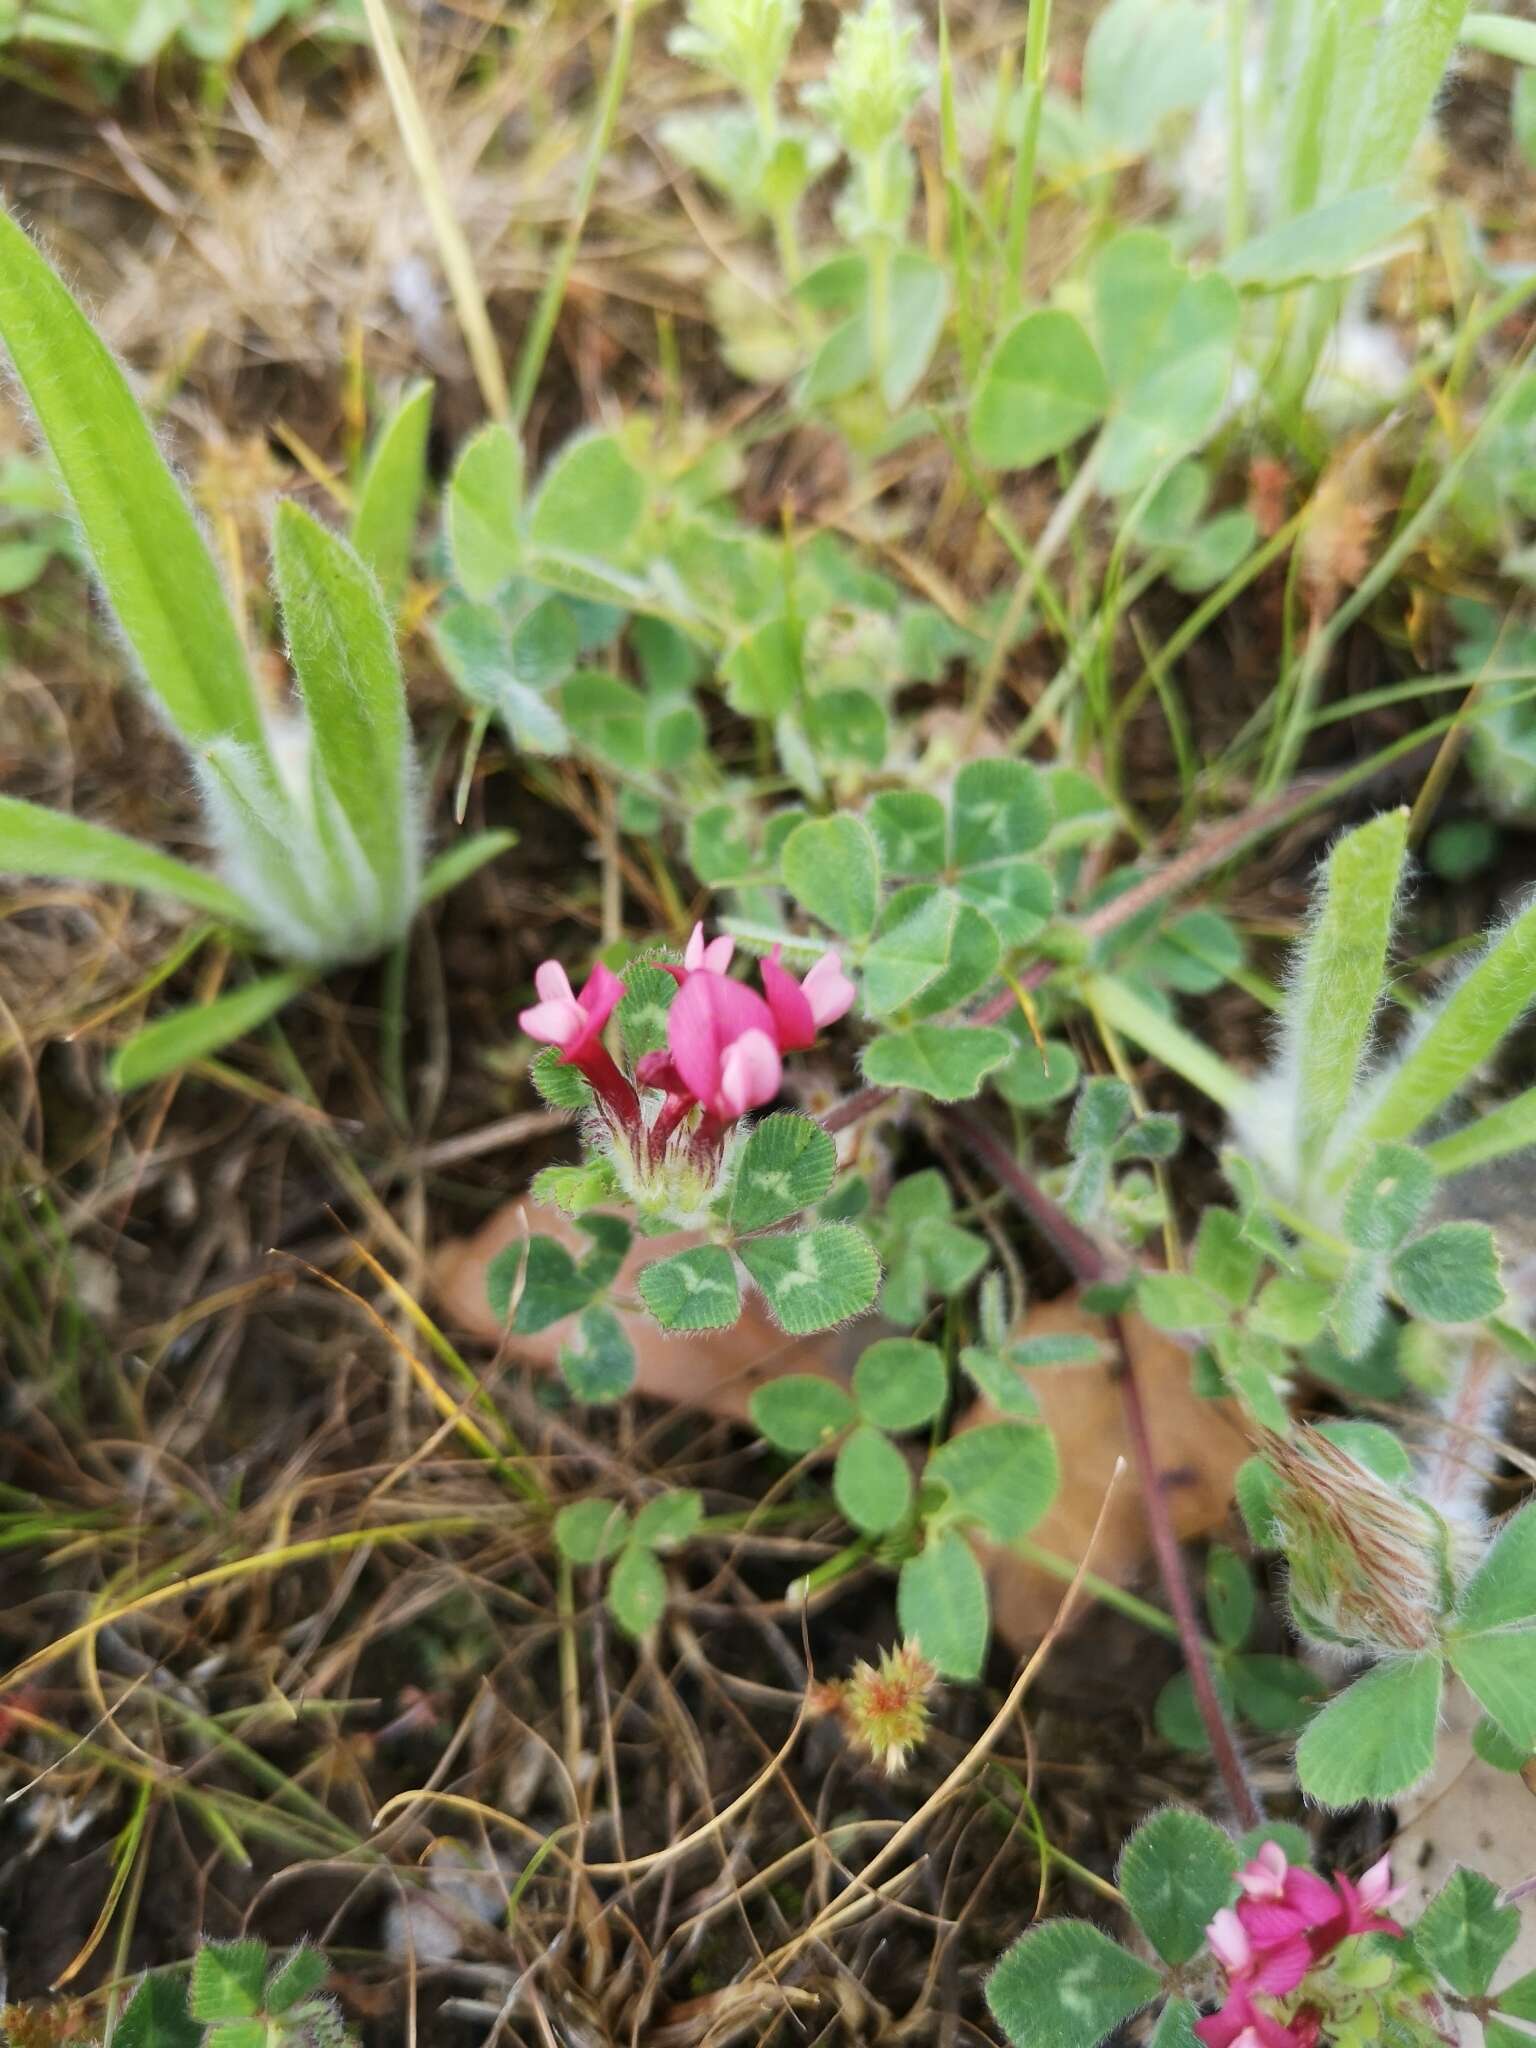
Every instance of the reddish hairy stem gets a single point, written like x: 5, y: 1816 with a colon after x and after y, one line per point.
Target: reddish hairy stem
x: 1088, y: 1264
x: 1170, y: 1564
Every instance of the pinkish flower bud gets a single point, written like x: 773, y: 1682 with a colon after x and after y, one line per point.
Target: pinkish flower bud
x: 575, y: 1024
x: 713, y: 958
x: 724, y: 1045
x: 801, y: 1008
x: 1376, y: 1888
x: 701, y: 958
x: 1229, y: 1942
x: 567, y: 1020
x: 1264, y: 1877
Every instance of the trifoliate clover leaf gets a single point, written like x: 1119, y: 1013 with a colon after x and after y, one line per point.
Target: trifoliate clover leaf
x: 552, y: 1283
x: 813, y: 1279
x: 1451, y: 1274
x: 590, y: 1531
x: 600, y: 1364
x: 1066, y: 1985
x: 1377, y: 1738
x: 786, y: 1165
x: 801, y: 1412
x: 1177, y: 1871
x: 871, y: 1481
x: 1388, y: 1199
x: 1464, y: 1933
x: 942, y: 1606
x: 692, y: 1290
x: 900, y: 1383
x: 948, y: 1062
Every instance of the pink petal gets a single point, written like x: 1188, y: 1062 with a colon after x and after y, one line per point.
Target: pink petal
x: 560, y: 1021
x: 655, y: 1070
x: 793, y: 1018
x: 1222, y: 2029
x: 553, y: 983
x: 710, y: 1013
x: 1299, y: 2032
x: 600, y: 997
x: 1311, y: 1895
x: 1264, y: 1877
x: 1269, y: 1921
x: 828, y: 990
x: 749, y: 1074
x: 1229, y: 1941
x: 1377, y: 1889
x: 1279, y: 1970
x: 714, y: 958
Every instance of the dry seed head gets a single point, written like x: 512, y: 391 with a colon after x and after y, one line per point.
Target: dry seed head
x: 883, y: 1707
x: 1367, y: 1561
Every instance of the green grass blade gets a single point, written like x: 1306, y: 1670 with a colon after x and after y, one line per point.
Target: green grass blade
x: 1509, y: 1128
x: 343, y: 652
x: 1119, y: 1005
x: 37, y: 841
x: 1338, y: 978
x: 457, y: 863
x: 145, y: 544
x: 186, y: 1035
x: 389, y: 498
x: 1461, y: 1034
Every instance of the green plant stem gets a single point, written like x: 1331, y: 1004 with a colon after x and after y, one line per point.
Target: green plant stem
x: 1236, y: 33
x: 1036, y: 561
x: 1167, y: 1040
x: 541, y: 327
x: 452, y: 247
x: 1103, y: 1590
x: 1088, y: 1265
x: 830, y: 1570
x: 1022, y: 197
